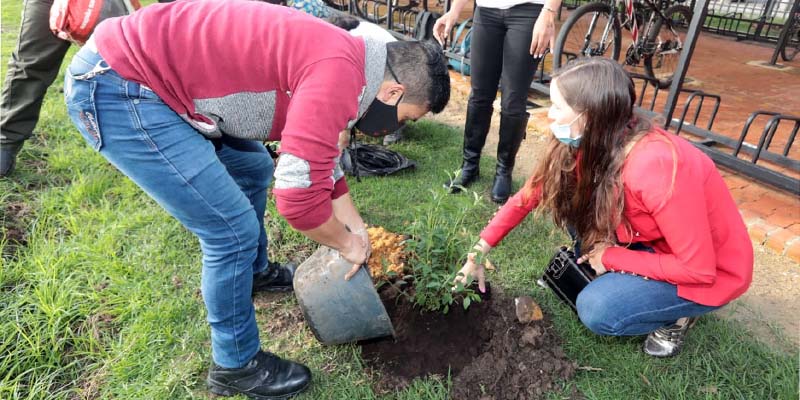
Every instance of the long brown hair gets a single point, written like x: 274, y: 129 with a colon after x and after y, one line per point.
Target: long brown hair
x: 582, y: 187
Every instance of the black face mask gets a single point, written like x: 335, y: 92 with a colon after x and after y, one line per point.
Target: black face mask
x: 380, y: 118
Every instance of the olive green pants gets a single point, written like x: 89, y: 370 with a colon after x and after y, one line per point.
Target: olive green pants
x: 33, y: 67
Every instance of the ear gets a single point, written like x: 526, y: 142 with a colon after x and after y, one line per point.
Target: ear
x: 390, y: 91
x: 581, y: 122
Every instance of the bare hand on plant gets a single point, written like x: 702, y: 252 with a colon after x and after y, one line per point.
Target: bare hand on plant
x: 472, y: 270
x: 357, y: 252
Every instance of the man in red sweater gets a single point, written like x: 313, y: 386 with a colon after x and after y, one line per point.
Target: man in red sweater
x: 183, y: 119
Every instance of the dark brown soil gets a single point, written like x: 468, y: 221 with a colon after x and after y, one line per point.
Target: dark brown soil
x: 13, y: 217
x: 279, y: 319
x: 488, y: 353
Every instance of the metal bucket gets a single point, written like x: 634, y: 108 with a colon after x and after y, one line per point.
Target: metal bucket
x: 339, y: 311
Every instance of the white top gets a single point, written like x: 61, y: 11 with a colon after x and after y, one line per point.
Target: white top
x: 368, y: 29
x: 505, y: 4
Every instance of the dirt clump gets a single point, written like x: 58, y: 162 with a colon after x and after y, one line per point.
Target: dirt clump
x: 274, y: 315
x: 520, y: 362
x: 14, y: 218
x: 387, y: 259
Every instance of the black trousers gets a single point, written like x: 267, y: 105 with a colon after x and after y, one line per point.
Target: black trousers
x: 500, y: 53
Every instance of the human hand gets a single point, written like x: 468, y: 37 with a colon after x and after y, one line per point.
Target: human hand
x: 471, y: 270
x: 364, y: 235
x: 595, y: 258
x: 443, y: 26
x: 544, y: 33
x: 356, y: 252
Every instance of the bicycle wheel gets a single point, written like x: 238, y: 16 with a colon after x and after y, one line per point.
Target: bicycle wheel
x: 589, y: 31
x: 664, y: 44
x: 376, y: 11
x: 341, y: 5
x: 792, y: 46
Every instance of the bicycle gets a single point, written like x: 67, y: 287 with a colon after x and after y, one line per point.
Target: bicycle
x: 380, y: 8
x: 595, y: 28
x: 791, y: 45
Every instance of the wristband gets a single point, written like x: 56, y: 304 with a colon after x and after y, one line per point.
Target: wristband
x: 546, y: 8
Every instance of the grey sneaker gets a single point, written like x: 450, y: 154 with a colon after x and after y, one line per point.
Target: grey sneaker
x: 668, y: 341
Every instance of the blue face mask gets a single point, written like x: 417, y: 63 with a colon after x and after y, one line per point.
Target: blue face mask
x: 563, y: 133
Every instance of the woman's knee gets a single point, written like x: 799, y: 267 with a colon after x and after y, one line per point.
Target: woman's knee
x: 481, y: 98
x: 595, y: 312
x: 514, y: 102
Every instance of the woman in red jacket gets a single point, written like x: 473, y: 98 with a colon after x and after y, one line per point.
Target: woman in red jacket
x: 657, y: 222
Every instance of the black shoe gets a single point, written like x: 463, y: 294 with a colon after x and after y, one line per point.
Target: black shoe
x: 475, y: 130
x: 275, y: 278
x: 8, y: 159
x: 512, y: 132
x: 265, y: 377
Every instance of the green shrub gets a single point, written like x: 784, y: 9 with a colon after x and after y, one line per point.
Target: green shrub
x: 440, y: 238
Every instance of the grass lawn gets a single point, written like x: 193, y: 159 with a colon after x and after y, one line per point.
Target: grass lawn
x: 102, y: 302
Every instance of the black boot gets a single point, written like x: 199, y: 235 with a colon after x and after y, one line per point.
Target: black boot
x: 475, y: 131
x: 8, y: 158
x: 275, y: 278
x: 265, y: 377
x: 512, y: 131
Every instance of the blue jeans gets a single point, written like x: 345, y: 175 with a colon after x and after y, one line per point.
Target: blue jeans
x: 618, y: 304
x: 219, y: 195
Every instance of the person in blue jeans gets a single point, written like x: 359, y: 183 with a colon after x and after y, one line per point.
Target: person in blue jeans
x: 184, y: 119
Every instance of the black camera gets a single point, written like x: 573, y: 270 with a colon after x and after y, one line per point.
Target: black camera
x: 566, y: 277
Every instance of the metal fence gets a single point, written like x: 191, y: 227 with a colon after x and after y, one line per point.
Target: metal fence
x: 760, y: 20
x: 753, y: 19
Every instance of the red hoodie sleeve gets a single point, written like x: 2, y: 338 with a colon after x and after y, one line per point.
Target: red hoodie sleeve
x: 307, y: 177
x: 510, y: 215
x: 679, y: 210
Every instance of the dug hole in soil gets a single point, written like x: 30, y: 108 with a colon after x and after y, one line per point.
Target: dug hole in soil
x: 488, y: 353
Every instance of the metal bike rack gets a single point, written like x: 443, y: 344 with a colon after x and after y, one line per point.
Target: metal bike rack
x: 698, y: 94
